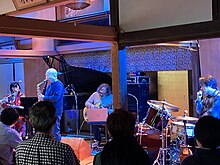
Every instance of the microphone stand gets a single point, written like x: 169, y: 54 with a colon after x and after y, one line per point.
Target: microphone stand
x: 77, y: 112
x: 136, y: 104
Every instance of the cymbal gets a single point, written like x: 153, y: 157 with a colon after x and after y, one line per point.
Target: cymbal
x: 163, y: 104
x: 184, y: 118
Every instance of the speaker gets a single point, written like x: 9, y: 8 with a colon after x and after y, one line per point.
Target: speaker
x: 69, y: 121
x: 141, y: 92
x: 79, y: 145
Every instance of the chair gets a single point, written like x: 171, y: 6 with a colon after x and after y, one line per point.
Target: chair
x: 92, y: 118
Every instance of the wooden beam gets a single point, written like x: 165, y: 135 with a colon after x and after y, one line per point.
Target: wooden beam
x: 49, y: 4
x: 119, y: 77
x: 25, y: 53
x: 13, y: 26
x: 210, y: 29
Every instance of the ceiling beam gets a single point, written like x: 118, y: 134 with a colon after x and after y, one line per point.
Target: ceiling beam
x: 49, y: 4
x: 210, y: 29
x: 25, y: 53
x: 14, y: 26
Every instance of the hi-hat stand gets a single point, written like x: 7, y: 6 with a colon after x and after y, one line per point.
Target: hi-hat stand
x: 164, y: 151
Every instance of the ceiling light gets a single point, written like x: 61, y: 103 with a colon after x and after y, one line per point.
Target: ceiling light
x: 78, y: 4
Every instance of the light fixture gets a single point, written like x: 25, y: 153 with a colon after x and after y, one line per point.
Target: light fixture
x: 78, y: 4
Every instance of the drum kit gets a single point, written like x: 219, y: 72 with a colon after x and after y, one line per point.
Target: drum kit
x: 169, y: 133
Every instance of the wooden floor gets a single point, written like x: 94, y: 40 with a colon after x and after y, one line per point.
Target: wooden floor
x: 87, y: 161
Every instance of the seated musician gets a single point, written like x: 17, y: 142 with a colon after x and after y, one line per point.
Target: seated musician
x: 12, y: 100
x: 102, y: 98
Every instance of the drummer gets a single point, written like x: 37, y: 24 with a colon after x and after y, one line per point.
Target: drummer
x: 13, y: 99
x: 208, y: 97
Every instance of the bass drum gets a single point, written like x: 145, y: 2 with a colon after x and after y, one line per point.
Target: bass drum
x: 149, y: 139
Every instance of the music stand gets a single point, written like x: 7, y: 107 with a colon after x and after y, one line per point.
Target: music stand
x: 27, y: 102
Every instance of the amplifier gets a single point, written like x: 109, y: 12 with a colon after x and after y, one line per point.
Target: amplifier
x: 138, y: 80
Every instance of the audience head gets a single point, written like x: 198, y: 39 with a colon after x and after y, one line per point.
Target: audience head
x: 208, y: 81
x: 9, y: 116
x: 104, y: 89
x: 121, y: 123
x: 207, y: 132
x: 42, y: 116
x: 51, y: 74
x: 15, y: 87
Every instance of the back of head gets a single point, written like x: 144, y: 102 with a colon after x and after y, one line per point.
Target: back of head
x: 208, y: 81
x: 42, y: 116
x: 9, y: 116
x: 121, y: 123
x: 207, y: 132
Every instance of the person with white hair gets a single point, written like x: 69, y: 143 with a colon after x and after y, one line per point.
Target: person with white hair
x: 54, y: 93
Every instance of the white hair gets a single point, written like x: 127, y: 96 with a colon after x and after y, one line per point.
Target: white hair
x: 51, y: 74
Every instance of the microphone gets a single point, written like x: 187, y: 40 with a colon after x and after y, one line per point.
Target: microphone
x: 40, y: 83
x: 70, y: 87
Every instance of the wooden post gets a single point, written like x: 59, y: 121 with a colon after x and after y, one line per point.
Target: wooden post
x: 119, y: 77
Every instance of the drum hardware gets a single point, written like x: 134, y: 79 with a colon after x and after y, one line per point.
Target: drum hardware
x: 164, y: 151
x: 182, y: 144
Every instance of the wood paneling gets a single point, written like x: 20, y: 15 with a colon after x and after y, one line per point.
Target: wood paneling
x: 34, y: 72
x: 173, y: 86
x: 210, y: 57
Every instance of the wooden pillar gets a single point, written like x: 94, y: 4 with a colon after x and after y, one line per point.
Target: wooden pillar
x: 119, y: 77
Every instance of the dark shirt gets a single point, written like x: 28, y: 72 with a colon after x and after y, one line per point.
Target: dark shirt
x: 210, y: 105
x: 54, y: 93
x: 124, y: 151
x: 203, y: 157
x: 43, y: 149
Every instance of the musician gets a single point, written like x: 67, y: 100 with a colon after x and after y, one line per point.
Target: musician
x: 208, y: 98
x: 54, y: 93
x: 102, y: 98
x: 13, y: 99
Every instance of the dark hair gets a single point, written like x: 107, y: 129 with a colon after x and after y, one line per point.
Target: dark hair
x: 42, y: 116
x: 9, y: 116
x: 108, y: 89
x: 121, y: 123
x: 208, y: 81
x: 14, y: 84
x: 207, y: 132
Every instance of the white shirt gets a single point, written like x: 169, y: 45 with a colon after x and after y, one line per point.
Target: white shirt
x: 9, y: 139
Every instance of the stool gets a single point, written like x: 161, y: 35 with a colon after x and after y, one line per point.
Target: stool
x: 90, y: 130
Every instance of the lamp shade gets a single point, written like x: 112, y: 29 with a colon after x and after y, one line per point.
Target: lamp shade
x: 78, y: 4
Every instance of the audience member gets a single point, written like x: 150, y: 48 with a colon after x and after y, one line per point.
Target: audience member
x: 9, y: 137
x: 207, y: 134
x: 123, y: 149
x: 43, y: 148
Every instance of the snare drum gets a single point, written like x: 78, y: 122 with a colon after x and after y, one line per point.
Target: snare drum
x: 153, y: 118
x: 177, y: 130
